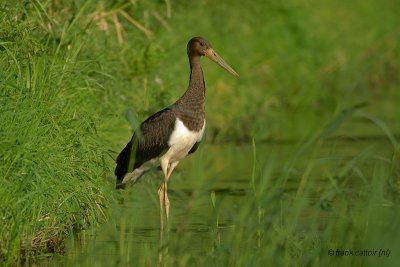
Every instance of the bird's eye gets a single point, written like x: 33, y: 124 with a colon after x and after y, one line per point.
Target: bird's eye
x: 202, y: 44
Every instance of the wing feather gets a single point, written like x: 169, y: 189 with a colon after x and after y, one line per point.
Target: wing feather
x: 148, y: 143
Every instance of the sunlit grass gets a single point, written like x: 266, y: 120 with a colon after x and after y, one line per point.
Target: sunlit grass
x: 76, y: 77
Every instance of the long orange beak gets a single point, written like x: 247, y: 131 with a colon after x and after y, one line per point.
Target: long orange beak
x: 211, y: 54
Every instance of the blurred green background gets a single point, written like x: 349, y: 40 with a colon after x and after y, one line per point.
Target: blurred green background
x: 300, y: 153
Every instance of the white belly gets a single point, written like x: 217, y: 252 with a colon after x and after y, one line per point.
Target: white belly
x: 181, y: 141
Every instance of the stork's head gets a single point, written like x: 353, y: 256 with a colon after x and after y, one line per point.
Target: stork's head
x: 198, y: 46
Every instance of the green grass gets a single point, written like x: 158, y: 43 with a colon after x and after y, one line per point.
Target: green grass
x: 295, y: 204
x: 76, y: 77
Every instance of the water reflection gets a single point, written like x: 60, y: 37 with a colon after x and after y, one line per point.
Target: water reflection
x: 227, y: 171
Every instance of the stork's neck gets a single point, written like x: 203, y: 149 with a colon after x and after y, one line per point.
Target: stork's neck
x: 196, y: 82
x: 191, y: 105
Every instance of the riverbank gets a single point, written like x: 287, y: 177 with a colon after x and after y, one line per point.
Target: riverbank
x: 76, y: 79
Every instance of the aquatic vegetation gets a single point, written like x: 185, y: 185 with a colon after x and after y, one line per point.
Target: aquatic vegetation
x: 317, y: 93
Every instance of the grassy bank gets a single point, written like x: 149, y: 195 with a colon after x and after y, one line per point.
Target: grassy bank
x: 57, y: 67
x: 76, y: 77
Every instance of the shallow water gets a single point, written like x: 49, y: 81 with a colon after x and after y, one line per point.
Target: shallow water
x: 227, y: 171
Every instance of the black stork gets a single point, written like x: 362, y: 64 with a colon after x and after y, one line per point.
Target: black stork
x: 172, y: 133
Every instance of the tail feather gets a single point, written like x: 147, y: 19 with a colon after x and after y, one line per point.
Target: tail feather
x: 122, y: 164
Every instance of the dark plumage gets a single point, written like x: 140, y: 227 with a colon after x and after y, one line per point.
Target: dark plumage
x: 149, y: 143
x: 172, y: 133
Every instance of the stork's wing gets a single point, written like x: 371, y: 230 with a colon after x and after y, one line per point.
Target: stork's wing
x: 148, y: 143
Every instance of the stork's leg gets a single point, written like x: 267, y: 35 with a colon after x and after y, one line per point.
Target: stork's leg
x: 163, y: 189
x: 166, y: 200
x: 161, y: 199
